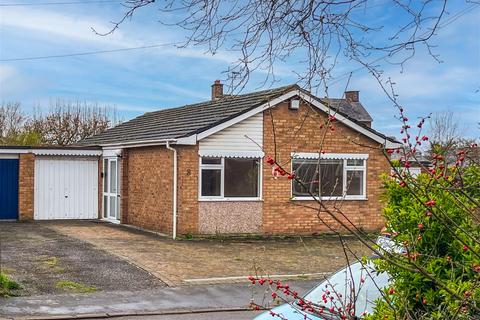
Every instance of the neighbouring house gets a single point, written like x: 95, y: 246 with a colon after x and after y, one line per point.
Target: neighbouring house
x: 200, y: 169
x: 414, y: 165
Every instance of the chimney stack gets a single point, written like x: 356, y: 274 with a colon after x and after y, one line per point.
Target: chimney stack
x: 352, y: 96
x: 217, y: 90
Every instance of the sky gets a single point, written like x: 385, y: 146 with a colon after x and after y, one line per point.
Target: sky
x: 139, y: 81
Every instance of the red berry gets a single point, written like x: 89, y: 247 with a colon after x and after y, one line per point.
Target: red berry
x: 465, y: 248
x: 421, y: 226
x: 430, y: 203
x: 391, y: 291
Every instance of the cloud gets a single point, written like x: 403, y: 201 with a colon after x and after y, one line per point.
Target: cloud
x: 70, y: 26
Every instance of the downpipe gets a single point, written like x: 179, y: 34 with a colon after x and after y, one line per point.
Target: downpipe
x: 174, y: 227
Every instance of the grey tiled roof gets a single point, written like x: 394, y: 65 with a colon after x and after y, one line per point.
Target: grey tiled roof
x: 354, y: 110
x: 194, y: 118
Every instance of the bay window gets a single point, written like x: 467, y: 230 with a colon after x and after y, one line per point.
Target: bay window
x: 334, y: 176
x: 224, y: 178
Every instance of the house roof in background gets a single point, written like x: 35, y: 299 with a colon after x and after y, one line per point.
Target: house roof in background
x: 175, y: 123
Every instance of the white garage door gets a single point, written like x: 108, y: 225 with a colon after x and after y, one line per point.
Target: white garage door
x: 66, y: 188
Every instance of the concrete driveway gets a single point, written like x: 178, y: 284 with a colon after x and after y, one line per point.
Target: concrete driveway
x: 213, y: 261
x: 44, y: 261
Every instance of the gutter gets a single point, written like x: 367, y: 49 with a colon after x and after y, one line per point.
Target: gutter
x: 143, y: 143
x: 174, y: 227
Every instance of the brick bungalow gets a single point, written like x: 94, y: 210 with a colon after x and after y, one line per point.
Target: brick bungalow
x: 199, y: 169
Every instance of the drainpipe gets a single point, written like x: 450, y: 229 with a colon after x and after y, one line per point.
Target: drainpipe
x: 174, y: 189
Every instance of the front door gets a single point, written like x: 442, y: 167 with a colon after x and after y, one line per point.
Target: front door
x: 111, y: 195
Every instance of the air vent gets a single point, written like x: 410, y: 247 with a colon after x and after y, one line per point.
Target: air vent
x: 294, y: 104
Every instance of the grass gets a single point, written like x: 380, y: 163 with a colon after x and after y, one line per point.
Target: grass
x: 7, y: 271
x: 76, y: 287
x: 52, y: 263
x: 7, y: 286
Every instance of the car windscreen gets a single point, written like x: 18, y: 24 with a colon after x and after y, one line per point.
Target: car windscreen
x: 357, y: 284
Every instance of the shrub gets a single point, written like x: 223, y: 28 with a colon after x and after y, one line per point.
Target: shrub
x: 435, y: 217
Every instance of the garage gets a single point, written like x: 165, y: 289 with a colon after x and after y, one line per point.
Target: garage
x: 66, y: 188
x: 8, y: 187
x: 49, y: 183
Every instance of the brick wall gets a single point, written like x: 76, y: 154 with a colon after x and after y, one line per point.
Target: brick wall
x: 147, y: 188
x: 299, y: 131
x: 187, y: 189
x: 26, y: 186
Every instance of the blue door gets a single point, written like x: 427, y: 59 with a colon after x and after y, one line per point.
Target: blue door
x: 8, y: 189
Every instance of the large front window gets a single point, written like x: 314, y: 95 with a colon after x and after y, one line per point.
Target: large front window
x: 329, y: 178
x: 223, y: 178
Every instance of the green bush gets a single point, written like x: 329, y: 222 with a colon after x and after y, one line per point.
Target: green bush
x: 442, y: 240
x: 7, y: 285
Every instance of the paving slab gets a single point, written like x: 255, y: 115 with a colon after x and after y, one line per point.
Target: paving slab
x: 214, y: 260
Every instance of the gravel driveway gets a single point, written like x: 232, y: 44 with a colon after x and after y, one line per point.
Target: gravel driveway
x: 44, y: 261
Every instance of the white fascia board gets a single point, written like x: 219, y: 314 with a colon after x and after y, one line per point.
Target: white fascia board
x: 66, y: 152
x: 190, y: 140
x: 106, y: 153
x: 387, y: 143
x: 9, y: 155
x: 247, y: 114
x: 15, y: 151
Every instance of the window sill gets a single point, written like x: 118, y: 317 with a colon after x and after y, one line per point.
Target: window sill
x: 330, y: 198
x: 228, y: 199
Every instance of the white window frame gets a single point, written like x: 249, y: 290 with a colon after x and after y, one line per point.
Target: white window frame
x: 335, y: 156
x: 221, y: 167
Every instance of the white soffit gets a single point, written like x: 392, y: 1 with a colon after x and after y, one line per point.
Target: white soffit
x: 111, y: 152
